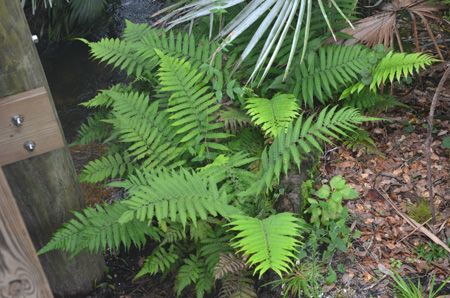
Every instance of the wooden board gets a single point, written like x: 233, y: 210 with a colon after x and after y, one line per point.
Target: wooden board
x: 21, y: 274
x: 39, y: 125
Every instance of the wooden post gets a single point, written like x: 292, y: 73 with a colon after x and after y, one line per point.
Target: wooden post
x: 44, y: 185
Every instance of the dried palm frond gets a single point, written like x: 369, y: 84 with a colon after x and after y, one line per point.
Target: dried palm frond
x: 381, y: 27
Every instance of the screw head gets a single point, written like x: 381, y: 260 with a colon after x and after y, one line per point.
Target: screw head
x: 29, y: 146
x: 17, y: 120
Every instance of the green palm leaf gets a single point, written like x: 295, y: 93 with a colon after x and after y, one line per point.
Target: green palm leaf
x: 280, y: 17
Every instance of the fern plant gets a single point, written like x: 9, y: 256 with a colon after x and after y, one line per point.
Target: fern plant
x: 198, y: 166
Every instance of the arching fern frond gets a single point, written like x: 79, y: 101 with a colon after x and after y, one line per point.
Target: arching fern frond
x: 107, y: 167
x: 197, y: 52
x: 98, y: 229
x: 234, y: 118
x: 392, y: 66
x: 367, y: 100
x: 159, y: 260
x: 194, y: 271
x: 152, y: 139
x: 102, y: 99
x: 272, y: 115
x: 178, y: 196
x: 94, y: 129
x: 191, y: 106
x: 304, y: 134
x: 119, y: 53
x: 396, y: 65
x: 328, y: 71
x: 212, y: 247
x: 266, y: 244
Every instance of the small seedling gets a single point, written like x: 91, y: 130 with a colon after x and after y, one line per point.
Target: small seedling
x: 446, y: 142
x: 420, y: 211
x: 408, y: 126
x: 396, y: 263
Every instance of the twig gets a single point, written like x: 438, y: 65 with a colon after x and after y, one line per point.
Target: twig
x: 414, y: 230
x: 414, y: 224
x: 428, y: 141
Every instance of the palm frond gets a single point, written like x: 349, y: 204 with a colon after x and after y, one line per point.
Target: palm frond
x: 278, y: 15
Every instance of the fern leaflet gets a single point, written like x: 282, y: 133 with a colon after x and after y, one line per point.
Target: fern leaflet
x: 105, y: 167
x: 98, y: 229
x: 265, y: 243
x: 272, y: 115
x: 159, y: 260
x: 190, y: 105
x: 178, y: 196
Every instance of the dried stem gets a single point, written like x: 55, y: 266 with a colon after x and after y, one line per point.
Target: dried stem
x: 428, y: 142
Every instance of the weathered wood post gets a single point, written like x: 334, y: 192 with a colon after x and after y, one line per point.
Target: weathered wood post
x: 43, y: 181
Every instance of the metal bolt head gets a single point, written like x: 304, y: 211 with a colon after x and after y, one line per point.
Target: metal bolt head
x: 29, y: 146
x: 17, y: 120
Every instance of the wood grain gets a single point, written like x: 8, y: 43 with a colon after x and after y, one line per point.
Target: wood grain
x: 39, y: 125
x: 45, y: 187
x: 21, y: 274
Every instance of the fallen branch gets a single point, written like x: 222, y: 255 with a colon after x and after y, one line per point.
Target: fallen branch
x: 415, y: 224
x: 428, y: 142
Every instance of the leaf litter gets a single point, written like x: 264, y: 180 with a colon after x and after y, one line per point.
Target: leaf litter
x: 389, y: 183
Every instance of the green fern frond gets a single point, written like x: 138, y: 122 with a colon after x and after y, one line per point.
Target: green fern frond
x: 367, y: 100
x: 326, y: 72
x: 212, y: 247
x: 201, y: 230
x: 396, y: 65
x: 174, y: 232
x: 102, y: 100
x: 272, y: 115
x: 249, y: 140
x: 305, y: 134
x: 194, y: 271
x: 266, y: 244
x: 223, y: 167
x: 110, y: 166
x: 191, y: 106
x: 197, y: 52
x: 98, y: 229
x: 178, y: 196
x: 361, y: 138
x: 159, y: 260
x: 152, y: 139
x: 94, y: 129
x: 119, y: 53
x: 232, y: 118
